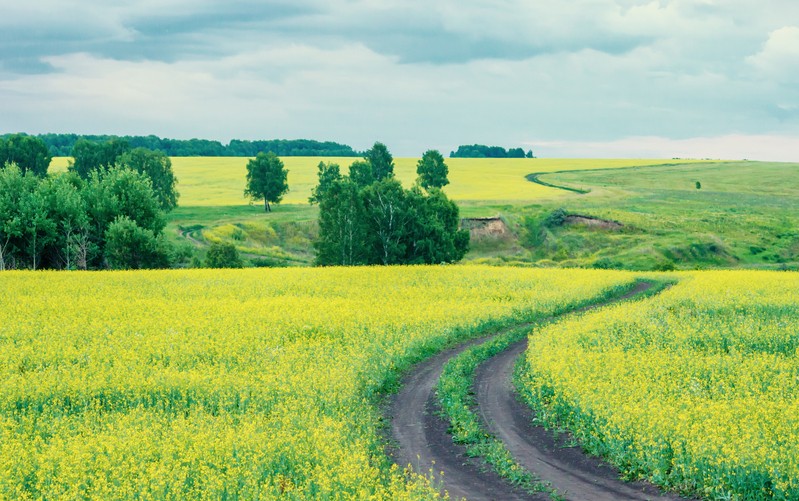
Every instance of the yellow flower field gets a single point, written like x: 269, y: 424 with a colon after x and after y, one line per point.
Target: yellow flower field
x: 219, y: 181
x: 695, y: 388
x: 238, y: 384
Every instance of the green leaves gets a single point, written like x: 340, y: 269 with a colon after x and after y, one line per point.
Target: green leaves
x: 432, y: 170
x: 266, y: 179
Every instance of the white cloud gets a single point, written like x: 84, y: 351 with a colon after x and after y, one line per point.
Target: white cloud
x: 413, y: 73
x: 780, y: 55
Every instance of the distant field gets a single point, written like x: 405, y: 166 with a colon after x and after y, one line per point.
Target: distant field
x: 219, y: 181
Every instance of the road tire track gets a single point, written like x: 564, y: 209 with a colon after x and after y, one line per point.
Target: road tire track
x: 422, y: 439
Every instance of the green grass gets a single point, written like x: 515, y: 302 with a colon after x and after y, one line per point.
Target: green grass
x: 745, y: 215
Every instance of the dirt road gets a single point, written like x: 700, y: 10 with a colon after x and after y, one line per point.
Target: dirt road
x: 423, y: 441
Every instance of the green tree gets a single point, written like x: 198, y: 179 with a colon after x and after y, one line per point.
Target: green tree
x: 158, y: 167
x: 328, y: 173
x: 16, y: 188
x: 361, y: 173
x: 29, y: 153
x: 381, y: 161
x: 342, y: 225
x: 266, y: 179
x: 432, y: 170
x: 223, y: 255
x: 129, y: 246
x: 89, y: 156
x: 434, y: 236
x: 119, y: 192
x: 387, y: 215
x: 68, y: 213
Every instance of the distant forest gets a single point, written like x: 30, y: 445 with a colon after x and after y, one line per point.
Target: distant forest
x: 483, y: 151
x: 60, y: 145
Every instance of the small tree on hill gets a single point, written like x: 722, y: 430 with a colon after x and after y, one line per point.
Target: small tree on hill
x: 432, y: 170
x: 266, y: 179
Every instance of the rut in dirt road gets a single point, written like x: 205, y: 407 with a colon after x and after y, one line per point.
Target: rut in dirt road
x: 424, y: 443
x: 572, y: 473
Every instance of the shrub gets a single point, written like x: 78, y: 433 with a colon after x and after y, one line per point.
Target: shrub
x: 223, y: 255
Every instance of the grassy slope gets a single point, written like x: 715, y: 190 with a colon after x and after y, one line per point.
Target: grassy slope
x: 745, y: 214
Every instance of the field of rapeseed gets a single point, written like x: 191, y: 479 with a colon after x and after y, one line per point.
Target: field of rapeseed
x: 219, y: 181
x: 210, y: 384
x: 695, y: 388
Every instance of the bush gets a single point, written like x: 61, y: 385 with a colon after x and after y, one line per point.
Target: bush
x: 223, y: 255
x: 556, y: 218
x: 128, y: 246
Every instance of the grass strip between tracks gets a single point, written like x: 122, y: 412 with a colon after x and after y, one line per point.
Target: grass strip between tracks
x: 455, y: 395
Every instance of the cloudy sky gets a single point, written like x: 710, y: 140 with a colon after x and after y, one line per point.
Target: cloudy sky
x: 625, y: 78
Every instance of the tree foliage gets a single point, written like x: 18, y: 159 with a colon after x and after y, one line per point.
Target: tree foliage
x: 380, y: 222
x: 88, y: 156
x: 381, y: 161
x: 432, y: 170
x: 328, y: 173
x: 62, y: 144
x: 158, y: 167
x: 27, y: 152
x: 483, y: 151
x: 342, y: 225
x: 266, y: 179
x: 223, y: 255
x: 131, y: 247
x: 63, y: 221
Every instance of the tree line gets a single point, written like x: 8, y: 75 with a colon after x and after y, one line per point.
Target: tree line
x: 106, y: 211
x: 61, y: 145
x: 483, y: 151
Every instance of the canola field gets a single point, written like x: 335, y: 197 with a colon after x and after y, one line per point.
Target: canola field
x: 235, y: 384
x: 695, y: 388
x: 219, y: 181
x: 205, y: 181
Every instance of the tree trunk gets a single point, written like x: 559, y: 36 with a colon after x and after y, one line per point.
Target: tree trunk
x: 266, y: 206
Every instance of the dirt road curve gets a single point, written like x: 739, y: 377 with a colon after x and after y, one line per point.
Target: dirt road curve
x: 424, y: 443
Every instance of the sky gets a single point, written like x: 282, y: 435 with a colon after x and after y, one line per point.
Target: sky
x: 577, y: 78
